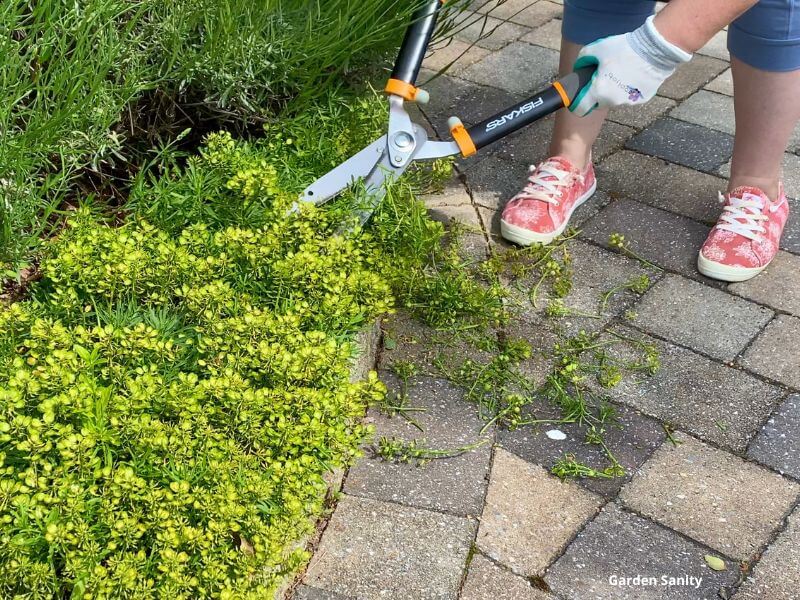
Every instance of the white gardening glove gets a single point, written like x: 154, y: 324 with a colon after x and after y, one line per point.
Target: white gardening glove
x: 630, y: 68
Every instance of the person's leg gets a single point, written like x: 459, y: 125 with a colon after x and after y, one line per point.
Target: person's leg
x: 560, y: 184
x: 765, y: 44
x: 573, y: 136
x: 586, y: 21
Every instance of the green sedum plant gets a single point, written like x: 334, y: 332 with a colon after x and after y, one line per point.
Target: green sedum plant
x: 176, y: 387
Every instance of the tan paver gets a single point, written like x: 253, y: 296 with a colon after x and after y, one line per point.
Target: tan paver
x: 375, y: 549
x: 530, y: 516
x: 487, y: 581
x: 701, y: 317
x: 723, y: 84
x: 777, y: 574
x: 711, y: 496
x: 776, y: 353
x: 547, y: 36
x: 776, y: 286
x: 523, y: 12
x: 456, y: 53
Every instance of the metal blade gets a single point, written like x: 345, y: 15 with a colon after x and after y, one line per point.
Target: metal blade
x: 432, y: 150
x: 334, y: 181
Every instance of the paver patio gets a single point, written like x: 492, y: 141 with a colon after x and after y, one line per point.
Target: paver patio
x: 495, y: 524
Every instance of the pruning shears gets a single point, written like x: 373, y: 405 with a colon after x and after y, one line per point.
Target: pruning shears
x: 389, y: 156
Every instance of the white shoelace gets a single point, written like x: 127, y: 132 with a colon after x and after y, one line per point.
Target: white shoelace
x: 544, y: 183
x: 743, y: 215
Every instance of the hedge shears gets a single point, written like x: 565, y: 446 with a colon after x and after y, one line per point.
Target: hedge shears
x: 389, y: 156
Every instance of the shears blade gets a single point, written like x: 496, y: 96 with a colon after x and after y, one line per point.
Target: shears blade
x: 356, y: 167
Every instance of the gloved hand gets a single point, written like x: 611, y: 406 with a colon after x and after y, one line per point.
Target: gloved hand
x: 630, y: 68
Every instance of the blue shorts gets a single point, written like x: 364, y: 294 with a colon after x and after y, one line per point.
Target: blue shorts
x: 766, y: 37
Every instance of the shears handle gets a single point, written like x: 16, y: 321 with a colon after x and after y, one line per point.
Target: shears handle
x: 412, y: 53
x: 558, y: 95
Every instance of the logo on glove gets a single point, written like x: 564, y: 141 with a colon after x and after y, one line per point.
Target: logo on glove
x: 634, y: 95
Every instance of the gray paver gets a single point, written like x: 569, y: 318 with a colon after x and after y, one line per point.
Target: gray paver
x: 632, y: 443
x: 776, y: 353
x: 791, y: 174
x: 701, y: 492
x: 530, y: 516
x: 495, y: 180
x: 455, y: 55
x: 701, y: 317
x: 523, y: 12
x: 722, y: 84
x: 488, y: 581
x: 777, y: 576
x: 502, y: 69
x: 715, y: 402
x: 619, y: 545
x: 791, y: 233
x: 685, y: 143
x: 547, y: 36
x: 715, y: 111
x: 669, y: 186
x: 487, y: 31
x: 642, y: 116
x: 374, y: 549
x: 692, y: 76
x: 589, y: 209
x: 708, y: 109
x: 456, y: 485
x: 663, y: 238
x: 778, y: 443
x: 777, y: 286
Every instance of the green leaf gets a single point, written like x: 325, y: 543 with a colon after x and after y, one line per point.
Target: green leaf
x: 389, y: 344
x: 715, y: 562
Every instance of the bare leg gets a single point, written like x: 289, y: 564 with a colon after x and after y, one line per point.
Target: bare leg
x: 767, y: 111
x: 573, y: 136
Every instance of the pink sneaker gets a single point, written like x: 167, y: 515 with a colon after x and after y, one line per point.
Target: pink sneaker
x: 747, y: 236
x: 541, y: 211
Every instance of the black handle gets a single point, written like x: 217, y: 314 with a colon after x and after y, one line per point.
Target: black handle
x: 558, y: 95
x: 415, y: 43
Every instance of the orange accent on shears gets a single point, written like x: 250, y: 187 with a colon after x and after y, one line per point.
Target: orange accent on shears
x: 402, y: 89
x: 563, y: 93
x: 464, y: 141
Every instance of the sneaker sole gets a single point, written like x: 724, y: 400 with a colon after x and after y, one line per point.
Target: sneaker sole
x: 722, y: 272
x: 525, y: 237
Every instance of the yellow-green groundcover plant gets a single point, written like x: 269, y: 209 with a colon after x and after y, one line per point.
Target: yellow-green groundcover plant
x: 174, y: 388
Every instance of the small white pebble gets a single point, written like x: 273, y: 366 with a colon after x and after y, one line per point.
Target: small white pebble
x: 556, y: 434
